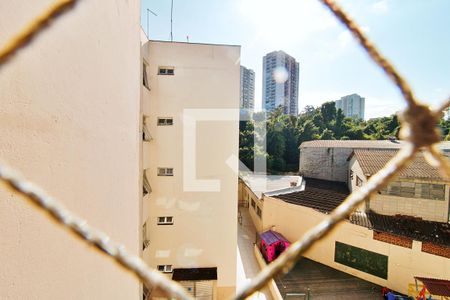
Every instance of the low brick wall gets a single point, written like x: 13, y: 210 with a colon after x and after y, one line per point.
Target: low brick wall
x: 435, y: 249
x: 393, y: 239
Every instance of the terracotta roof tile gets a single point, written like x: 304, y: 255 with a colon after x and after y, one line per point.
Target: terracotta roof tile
x: 371, y: 161
x: 378, y: 144
x: 321, y: 195
x: 406, y: 226
x: 383, y: 144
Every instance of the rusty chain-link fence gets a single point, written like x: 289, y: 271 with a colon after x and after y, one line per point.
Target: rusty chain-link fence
x: 418, y: 129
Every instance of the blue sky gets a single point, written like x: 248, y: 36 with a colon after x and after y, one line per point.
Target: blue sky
x: 413, y: 34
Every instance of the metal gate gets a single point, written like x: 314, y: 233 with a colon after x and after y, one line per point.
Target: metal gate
x: 201, y: 289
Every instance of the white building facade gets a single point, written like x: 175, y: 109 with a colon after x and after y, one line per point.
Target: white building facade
x: 247, y: 96
x: 69, y: 121
x: 191, y: 108
x: 352, y: 106
x: 280, y: 82
x: 107, y: 140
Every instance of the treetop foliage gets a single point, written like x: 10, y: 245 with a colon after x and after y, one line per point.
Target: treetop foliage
x: 285, y: 133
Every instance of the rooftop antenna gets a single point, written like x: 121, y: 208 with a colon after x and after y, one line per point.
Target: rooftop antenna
x: 153, y: 13
x: 171, y: 21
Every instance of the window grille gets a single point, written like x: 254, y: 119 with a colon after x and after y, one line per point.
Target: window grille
x: 165, y: 220
x: 418, y: 128
x: 165, y: 121
x: 165, y: 171
x: 166, y: 71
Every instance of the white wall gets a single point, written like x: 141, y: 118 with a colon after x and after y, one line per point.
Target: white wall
x: 69, y: 120
x: 293, y: 221
x: 204, y: 233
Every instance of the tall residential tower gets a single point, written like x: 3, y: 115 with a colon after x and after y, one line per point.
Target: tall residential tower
x: 247, y: 96
x: 280, y: 82
x: 352, y: 106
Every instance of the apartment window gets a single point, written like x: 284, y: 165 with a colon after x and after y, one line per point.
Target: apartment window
x: 258, y: 211
x: 166, y: 71
x: 165, y: 220
x: 165, y: 171
x: 415, y: 190
x: 165, y: 121
x: 437, y: 191
x: 358, y: 181
x: 145, y: 241
x: 145, y: 76
x: 165, y: 268
x: 253, y: 203
x: 351, y: 175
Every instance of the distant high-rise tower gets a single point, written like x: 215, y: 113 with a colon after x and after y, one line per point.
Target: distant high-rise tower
x: 280, y: 82
x: 247, y: 88
x: 352, y: 106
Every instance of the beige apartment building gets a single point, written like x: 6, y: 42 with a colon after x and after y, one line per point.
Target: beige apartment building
x: 190, y: 110
x: 69, y: 121
x: 100, y: 117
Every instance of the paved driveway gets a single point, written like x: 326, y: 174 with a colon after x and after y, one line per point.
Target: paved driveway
x: 247, y: 266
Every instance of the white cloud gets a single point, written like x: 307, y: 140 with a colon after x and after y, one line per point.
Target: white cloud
x: 380, y: 7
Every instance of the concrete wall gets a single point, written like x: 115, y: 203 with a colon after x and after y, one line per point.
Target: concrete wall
x: 403, y: 263
x: 427, y: 209
x: 204, y: 233
x: 324, y: 163
x: 69, y: 120
x: 248, y: 195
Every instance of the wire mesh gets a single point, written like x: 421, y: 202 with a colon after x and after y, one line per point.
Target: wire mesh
x: 418, y: 128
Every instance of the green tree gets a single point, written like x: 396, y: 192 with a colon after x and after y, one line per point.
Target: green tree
x: 328, y: 112
x: 327, y: 134
x: 339, y: 126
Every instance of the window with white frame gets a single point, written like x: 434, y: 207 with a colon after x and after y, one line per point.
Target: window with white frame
x: 166, y: 220
x: 165, y: 122
x: 165, y: 171
x: 166, y: 71
x: 165, y: 268
x: 145, y: 76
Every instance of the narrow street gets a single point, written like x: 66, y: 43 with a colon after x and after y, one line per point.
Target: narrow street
x: 247, y: 266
